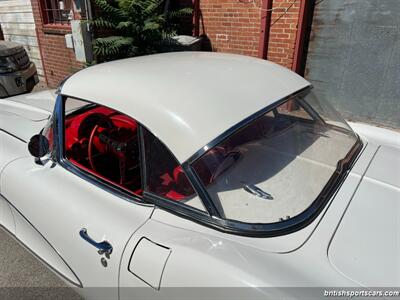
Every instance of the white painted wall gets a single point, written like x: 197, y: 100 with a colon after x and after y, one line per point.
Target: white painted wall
x: 17, y: 23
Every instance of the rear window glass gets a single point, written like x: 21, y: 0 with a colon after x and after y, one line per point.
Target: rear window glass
x: 275, y: 168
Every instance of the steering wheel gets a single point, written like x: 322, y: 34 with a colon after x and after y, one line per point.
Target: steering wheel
x: 101, y: 121
x: 118, y: 140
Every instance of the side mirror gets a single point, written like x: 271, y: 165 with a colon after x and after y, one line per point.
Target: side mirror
x: 38, y: 146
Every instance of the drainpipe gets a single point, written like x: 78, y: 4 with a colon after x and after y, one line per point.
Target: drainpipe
x: 264, y: 28
x: 304, y: 16
x: 196, y: 17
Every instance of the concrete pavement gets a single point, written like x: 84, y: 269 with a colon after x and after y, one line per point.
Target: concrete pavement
x: 23, y: 276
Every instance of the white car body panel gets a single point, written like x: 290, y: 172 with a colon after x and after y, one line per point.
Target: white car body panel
x: 19, y: 126
x: 385, y: 167
x: 193, y: 90
x: 10, y: 149
x: 148, y: 261
x: 60, y: 209
x: 352, y: 242
x: 379, y: 135
x: 20, y: 118
x: 23, y: 110
x: 39, y: 246
x: 367, y: 238
x: 42, y: 101
x: 15, y: 148
x: 25, y: 115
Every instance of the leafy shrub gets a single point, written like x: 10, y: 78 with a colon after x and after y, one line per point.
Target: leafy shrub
x: 135, y: 27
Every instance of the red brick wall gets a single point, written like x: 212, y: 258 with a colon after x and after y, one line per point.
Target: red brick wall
x: 231, y: 25
x: 234, y: 26
x: 282, y: 39
x: 58, y: 60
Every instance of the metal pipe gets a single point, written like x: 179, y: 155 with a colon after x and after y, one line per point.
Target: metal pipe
x: 300, y: 37
x: 265, y: 28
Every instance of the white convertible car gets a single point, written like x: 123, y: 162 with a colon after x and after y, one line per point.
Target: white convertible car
x: 198, y: 170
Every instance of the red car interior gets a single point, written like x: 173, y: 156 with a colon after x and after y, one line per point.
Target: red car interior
x: 105, y: 143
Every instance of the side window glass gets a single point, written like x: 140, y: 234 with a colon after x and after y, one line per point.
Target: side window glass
x: 165, y: 176
x: 103, y: 142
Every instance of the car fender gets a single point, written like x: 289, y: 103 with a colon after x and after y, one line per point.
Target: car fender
x: 200, y: 260
x: 195, y: 260
x: 378, y: 135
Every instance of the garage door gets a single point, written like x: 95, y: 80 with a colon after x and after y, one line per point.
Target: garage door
x: 354, y: 58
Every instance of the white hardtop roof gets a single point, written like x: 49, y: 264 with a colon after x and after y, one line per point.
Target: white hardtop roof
x: 186, y: 99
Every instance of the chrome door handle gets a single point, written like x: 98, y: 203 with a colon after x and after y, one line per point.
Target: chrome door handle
x: 103, y: 247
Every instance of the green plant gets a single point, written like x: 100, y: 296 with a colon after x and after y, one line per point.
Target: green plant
x: 135, y: 27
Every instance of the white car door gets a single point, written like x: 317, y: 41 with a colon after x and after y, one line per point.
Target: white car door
x: 52, y: 205
x: 69, y: 219
x: 10, y: 149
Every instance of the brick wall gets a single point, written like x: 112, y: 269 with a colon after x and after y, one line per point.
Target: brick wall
x: 58, y: 60
x: 283, y: 31
x: 231, y: 25
x: 234, y: 26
